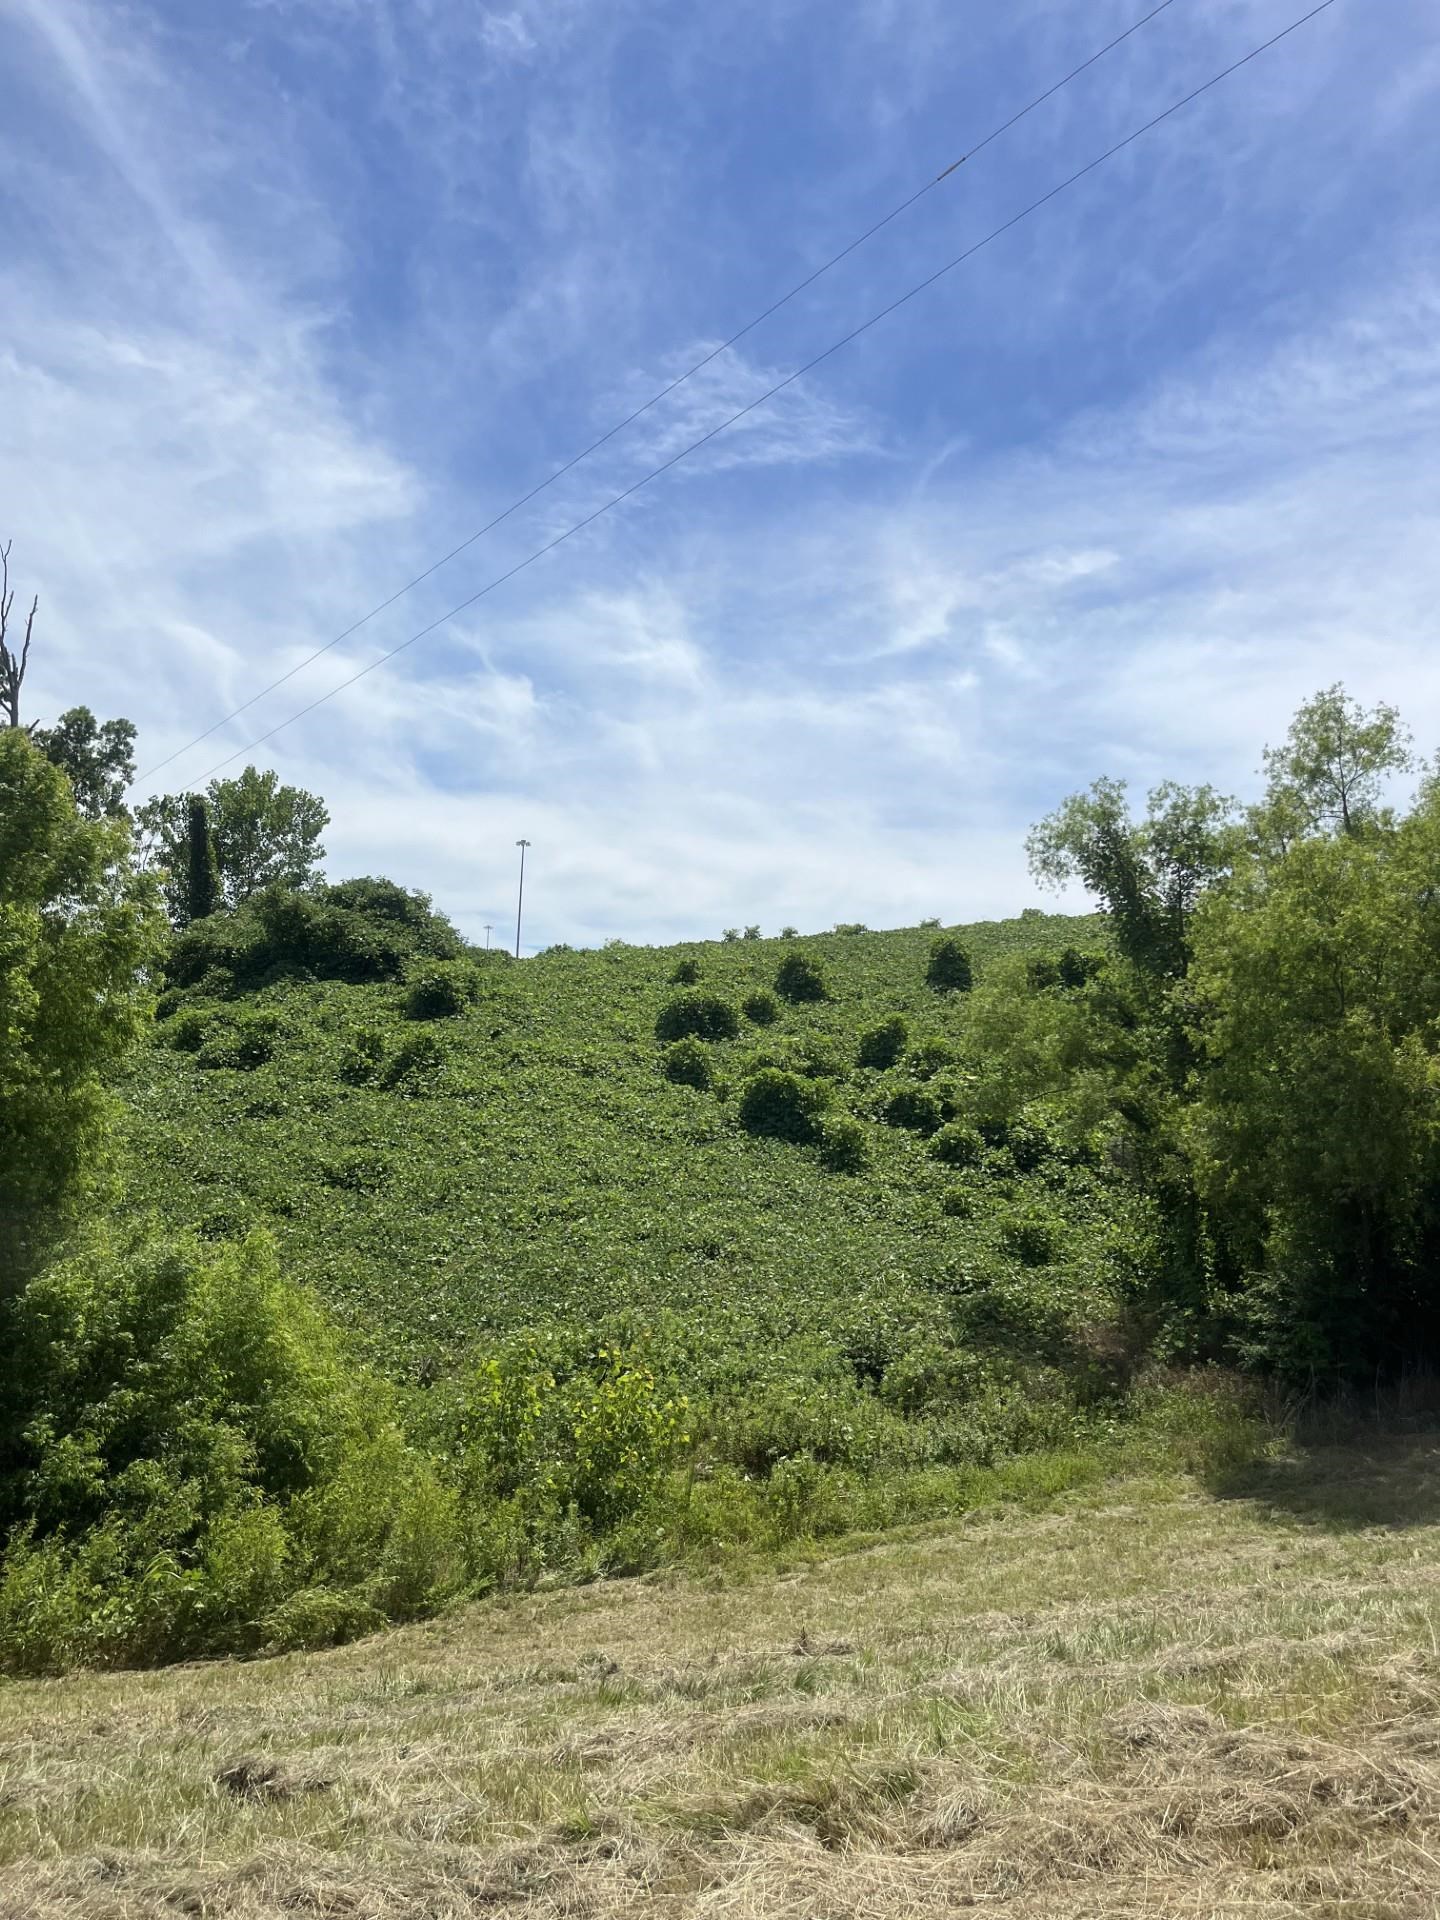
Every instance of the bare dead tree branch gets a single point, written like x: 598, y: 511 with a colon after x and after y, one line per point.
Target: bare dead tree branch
x: 12, y: 663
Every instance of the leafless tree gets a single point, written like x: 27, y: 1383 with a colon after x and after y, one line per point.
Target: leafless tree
x: 12, y: 662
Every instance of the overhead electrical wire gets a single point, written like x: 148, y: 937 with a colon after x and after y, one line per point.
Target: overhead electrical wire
x: 789, y: 380
x: 664, y: 392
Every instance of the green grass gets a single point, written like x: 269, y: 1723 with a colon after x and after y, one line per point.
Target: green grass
x: 550, y: 1171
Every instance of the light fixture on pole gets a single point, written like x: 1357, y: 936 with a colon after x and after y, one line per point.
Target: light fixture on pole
x: 520, y: 902
x: 488, y: 925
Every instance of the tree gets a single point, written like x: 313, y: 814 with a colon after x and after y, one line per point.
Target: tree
x: 202, y: 872
x: 1316, y: 1130
x: 98, y: 761
x: 77, y: 925
x: 13, y: 662
x: 1148, y: 874
x: 264, y: 834
x: 1329, y: 775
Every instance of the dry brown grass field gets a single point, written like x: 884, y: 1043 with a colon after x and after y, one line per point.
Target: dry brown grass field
x: 1150, y: 1699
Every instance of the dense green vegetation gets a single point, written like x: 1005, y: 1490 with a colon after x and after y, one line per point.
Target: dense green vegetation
x: 548, y: 1164
x: 425, y: 1271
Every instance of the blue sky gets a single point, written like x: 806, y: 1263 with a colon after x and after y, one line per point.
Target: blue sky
x: 298, y: 293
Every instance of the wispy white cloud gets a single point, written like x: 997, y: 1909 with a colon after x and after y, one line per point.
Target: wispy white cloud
x: 287, y: 314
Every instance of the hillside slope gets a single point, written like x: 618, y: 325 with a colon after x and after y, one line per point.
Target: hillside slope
x: 1145, y: 1700
x: 548, y: 1169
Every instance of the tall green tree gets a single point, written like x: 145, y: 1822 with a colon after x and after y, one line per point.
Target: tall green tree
x: 264, y: 834
x: 202, y: 871
x: 77, y: 927
x: 97, y: 759
x: 1329, y: 776
x: 1148, y: 874
x: 1316, y: 1129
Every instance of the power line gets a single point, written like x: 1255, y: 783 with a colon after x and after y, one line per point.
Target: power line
x: 665, y: 391
x: 760, y: 400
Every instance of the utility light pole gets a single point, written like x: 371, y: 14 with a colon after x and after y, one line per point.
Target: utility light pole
x: 520, y: 902
x: 487, y: 935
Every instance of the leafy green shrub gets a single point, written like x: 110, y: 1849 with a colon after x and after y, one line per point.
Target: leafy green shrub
x: 781, y: 1106
x: 752, y: 933
x: 178, y: 1418
x: 799, y: 978
x: 686, y: 973
x: 1076, y: 969
x: 929, y: 1057
x: 762, y: 1009
x: 621, y: 1435
x: 1070, y: 970
x: 789, y: 933
x: 360, y: 1056
x: 358, y: 930
x: 687, y: 1064
x: 825, y: 1415
x: 957, y: 1145
x: 1029, y: 1146
x: 694, y: 1015
x: 843, y: 1144
x: 914, y: 1108
x: 851, y: 926
x: 415, y: 1064
x: 439, y: 989
x: 242, y: 1043
x: 188, y: 1031
x: 958, y: 1203
x: 815, y: 1055
x: 1029, y: 1237
x: 598, y: 1439
x: 931, y: 1375
x: 950, y: 969
x: 882, y: 1046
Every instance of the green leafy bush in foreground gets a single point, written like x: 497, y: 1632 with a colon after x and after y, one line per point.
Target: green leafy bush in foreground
x: 188, y: 1454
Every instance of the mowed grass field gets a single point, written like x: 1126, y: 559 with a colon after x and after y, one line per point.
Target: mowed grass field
x: 1145, y: 1699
